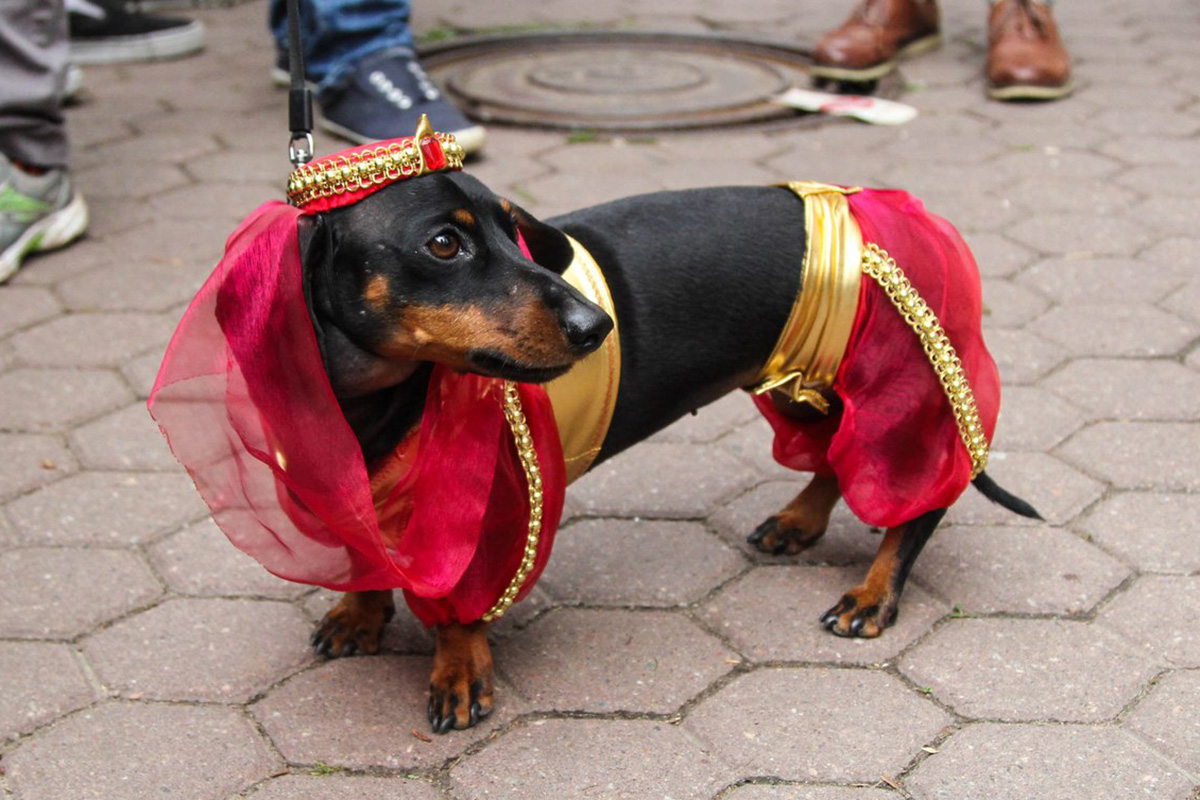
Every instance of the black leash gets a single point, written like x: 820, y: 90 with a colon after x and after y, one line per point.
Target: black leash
x: 300, y: 114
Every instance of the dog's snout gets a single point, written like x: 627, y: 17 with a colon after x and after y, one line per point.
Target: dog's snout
x: 586, y: 326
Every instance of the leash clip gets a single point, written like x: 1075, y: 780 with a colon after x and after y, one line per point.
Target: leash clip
x: 300, y: 148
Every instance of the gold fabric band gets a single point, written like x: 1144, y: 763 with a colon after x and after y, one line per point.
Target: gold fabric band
x: 584, y: 399
x: 810, y: 349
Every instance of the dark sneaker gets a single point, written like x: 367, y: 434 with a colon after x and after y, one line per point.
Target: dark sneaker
x: 384, y: 99
x: 108, y: 32
x: 37, y: 213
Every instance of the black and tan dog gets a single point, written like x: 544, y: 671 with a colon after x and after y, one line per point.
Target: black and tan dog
x: 703, y: 282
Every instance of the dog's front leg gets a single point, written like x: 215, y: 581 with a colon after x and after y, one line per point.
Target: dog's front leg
x: 355, y: 624
x: 460, y: 688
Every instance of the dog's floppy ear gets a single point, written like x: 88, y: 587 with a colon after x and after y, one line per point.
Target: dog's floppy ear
x: 548, y: 245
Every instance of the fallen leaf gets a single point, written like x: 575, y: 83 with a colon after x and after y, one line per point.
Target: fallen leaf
x: 421, y: 736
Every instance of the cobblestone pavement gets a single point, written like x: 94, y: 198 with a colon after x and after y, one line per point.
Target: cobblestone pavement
x: 141, y: 656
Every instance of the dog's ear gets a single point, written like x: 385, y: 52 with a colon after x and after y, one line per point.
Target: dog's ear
x: 548, y: 245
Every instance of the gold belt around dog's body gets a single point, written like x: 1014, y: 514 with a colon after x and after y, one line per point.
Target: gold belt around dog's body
x: 584, y: 398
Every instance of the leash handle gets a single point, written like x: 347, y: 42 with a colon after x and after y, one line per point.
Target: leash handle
x: 300, y: 114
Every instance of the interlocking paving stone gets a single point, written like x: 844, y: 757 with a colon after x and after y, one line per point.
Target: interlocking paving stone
x: 997, y: 256
x: 776, y: 722
x: 139, y: 285
x: 1028, y: 670
x: 141, y: 751
x: 1185, y: 302
x: 336, y: 787
x: 365, y: 712
x: 30, y: 461
x: 21, y: 306
x: 1115, y: 329
x: 94, y: 340
x: 41, y: 683
x: 1156, y: 614
x: 788, y: 629
x: 1023, y: 357
x: 712, y: 422
x: 807, y: 793
x: 989, y: 569
x: 1139, y: 455
x: 1033, y: 419
x: 141, y: 372
x: 42, y: 594
x: 1007, y: 305
x: 640, y: 562
x: 202, y: 650
x: 624, y: 759
x: 1154, y: 532
x: 1167, y: 717
x: 50, y: 399
x: 1050, y: 762
x: 127, y: 439
x: 107, y: 508
x: 605, y: 661
x: 1058, y: 491
x: 1128, y: 390
x: 1164, y: 214
x: 662, y: 480
x: 752, y: 444
x: 1105, y: 280
x: 200, y: 561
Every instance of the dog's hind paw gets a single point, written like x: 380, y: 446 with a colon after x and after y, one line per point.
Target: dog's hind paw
x: 860, y: 613
x: 776, y: 537
x: 354, y: 625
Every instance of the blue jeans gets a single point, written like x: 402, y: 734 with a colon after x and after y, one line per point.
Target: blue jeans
x: 337, y: 34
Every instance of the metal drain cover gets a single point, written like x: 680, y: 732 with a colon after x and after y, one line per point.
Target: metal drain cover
x: 618, y: 81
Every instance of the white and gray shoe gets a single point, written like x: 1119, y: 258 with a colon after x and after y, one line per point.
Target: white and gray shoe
x: 37, y: 213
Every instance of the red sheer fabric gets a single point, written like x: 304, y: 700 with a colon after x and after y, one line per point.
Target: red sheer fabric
x: 895, y: 448
x: 246, y: 406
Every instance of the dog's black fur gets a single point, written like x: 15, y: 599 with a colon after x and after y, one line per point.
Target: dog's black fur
x: 703, y: 282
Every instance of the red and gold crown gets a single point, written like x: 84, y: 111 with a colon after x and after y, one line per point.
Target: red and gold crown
x: 346, y: 177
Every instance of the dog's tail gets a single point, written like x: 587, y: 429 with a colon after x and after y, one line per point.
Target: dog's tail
x: 1001, y: 497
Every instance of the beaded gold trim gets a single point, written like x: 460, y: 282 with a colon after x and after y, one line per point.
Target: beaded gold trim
x: 350, y: 172
x: 533, y: 479
x: 942, y: 357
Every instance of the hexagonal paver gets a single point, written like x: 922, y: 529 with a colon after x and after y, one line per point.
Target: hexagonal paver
x: 1127, y: 389
x: 47, y: 399
x: 42, y: 595
x: 1023, y: 357
x: 1033, y: 419
x: 1139, y: 455
x: 1007, y: 305
x: 997, y: 256
x: 1020, y: 570
x: 367, y: 711
x: 127, y: 439
x: 661, y: 480
x: 337, y: 787
x: 1155, y: 613
x: 772, y: 615
x: 135, y: 285
x: 1026, y: 670
x: 25, y: 305
x: 776, y: 722
x: 753, y: 443
x: 142, y: 371
x: 1059, y: 492
x: 206, y: 650
x: 625, y: 759
x: 712, y: 422
x: 1050, y: 762
x: 1167, y: 718
x: 1115, y: 329
x: 1184, y: 302
x: 1055, y: 233
x: 807, y: 793
x: 135, y: 751
x: 100, y: 340
x: 106, y: 507
x: 1154, y: 532
x: 28, y: 461
x: 604, y: 661
x: 41, y: 683
x: 199, y: 560
x: 638, y: 562
x: 1104, y: 280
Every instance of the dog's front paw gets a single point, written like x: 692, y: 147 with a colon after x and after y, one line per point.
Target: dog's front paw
x: 461, y: 691
x: 355, y: 624
x: 777, y: 537
x: 861, y: 612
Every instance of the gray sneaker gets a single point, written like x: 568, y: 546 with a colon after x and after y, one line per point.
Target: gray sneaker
x: 37, y: 213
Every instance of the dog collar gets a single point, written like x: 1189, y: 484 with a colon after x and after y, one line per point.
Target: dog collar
x: 346, y: 177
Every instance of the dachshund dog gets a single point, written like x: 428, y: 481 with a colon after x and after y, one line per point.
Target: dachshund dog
x: 703, y: 281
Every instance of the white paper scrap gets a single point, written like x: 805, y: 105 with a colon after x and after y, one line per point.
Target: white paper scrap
x: 862, y: 107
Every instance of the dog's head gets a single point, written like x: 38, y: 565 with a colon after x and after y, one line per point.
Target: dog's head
x: 430, y: 270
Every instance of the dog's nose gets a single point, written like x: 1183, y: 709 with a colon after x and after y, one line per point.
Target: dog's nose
x: 586, y: 326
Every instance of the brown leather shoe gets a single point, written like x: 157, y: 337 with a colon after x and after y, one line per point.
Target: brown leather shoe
x: 878, y: 34
x: 1026, y: 59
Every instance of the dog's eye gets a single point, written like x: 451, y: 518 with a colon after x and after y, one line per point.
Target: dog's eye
x: 444, y: 245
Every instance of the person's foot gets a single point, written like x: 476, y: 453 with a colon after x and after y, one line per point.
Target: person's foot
x: 385, y: 97
x: 1026, y: 58
x: 37, y: 213
x: 108, y: 32
x: 877, y: 35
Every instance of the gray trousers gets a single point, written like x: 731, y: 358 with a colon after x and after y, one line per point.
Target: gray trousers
x: 33, y: 67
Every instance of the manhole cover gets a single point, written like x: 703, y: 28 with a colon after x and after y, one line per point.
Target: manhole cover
x: 621, y: 81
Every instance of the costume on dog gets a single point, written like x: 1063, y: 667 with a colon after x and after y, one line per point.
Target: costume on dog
x: 462, y: 515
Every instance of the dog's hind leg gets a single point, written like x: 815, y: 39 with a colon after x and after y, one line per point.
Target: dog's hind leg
x: 461, y: 691
x: 802, y: 522
x: 869, y: 608
x: 355, y: 624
